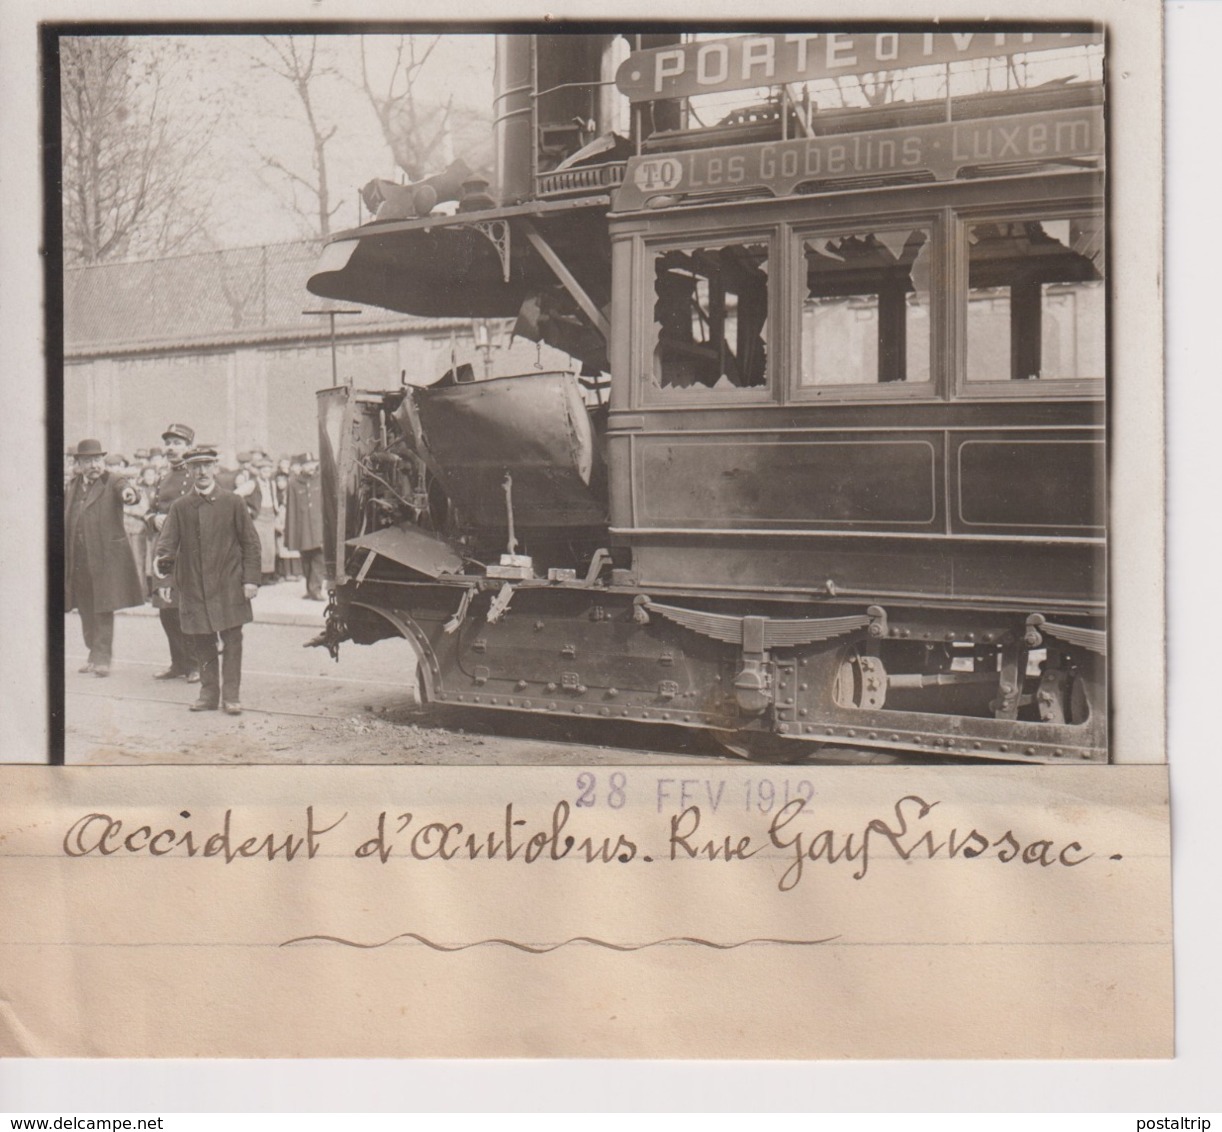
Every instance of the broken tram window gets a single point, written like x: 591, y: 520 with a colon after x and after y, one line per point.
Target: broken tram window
x: 711, y: 318
x: 865, y: 314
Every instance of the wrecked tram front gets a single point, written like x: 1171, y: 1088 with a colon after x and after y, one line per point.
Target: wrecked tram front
x: 828, y: 466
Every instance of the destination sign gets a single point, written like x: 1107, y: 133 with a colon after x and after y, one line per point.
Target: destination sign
x: 941, y: 150
x: 766, y: 60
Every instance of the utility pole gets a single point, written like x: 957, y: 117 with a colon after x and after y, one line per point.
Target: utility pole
x: 331, y: 313
x: 487, y: 335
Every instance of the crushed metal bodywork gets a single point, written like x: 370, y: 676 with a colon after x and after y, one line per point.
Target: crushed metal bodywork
x: 535, y: 427
x: 409, y: 546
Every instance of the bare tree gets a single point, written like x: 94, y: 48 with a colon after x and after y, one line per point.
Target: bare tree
x: 126, y: 161
x: 423, y: 131
x: 413, y: 131
x: 295, y: 59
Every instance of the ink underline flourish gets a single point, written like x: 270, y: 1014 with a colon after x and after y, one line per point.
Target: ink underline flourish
x: 543, y: 949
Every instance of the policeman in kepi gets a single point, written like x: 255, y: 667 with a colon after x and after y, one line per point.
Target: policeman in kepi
x: 173, y: 485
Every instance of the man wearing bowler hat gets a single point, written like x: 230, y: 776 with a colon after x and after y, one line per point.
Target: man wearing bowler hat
x: 175, y: 483
x: 210, y: 545
x: 99, y: 570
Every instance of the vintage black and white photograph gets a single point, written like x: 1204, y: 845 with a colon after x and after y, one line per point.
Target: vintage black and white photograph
x: 588, y: 395
x: 713, y: 469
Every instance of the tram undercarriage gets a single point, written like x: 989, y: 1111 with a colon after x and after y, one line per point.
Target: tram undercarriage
x: 963, y: 683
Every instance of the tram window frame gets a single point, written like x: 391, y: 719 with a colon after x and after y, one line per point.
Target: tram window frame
x: 933, y: 389
x: 651, y: 392
x: 1044, y: 389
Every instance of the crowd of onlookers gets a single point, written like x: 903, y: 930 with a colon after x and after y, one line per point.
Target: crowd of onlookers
x: 268, y: 487
x: 198, y: 540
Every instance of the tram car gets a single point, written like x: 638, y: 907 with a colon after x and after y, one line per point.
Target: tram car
x: 829, y: 467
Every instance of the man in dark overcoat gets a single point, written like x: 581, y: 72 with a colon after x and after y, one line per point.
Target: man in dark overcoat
x: 175, y: 482
x: 210, y: 544
x: 303, y: 523
x: 99, y: 571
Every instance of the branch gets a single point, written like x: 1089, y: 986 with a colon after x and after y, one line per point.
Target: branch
x: 279, y: 166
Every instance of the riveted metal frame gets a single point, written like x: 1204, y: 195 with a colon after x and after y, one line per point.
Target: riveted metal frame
x: 429, y: 668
